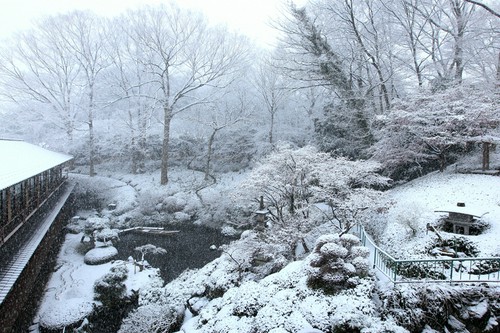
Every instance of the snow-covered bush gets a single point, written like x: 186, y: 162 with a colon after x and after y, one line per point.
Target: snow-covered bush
x: 106, y: 235
x: 173, y: 204
x: 95, y: 223
x: 336, y: 263
x: 110, y: 290
x: 150, y: 200
x: 97, y: 192
x: 410, y: 217
x: 71, y: 315
x: 293, y: 181
x: 152, y: 318
x: 442, y: 307
x: 100, y: 255
x: 283, y: 303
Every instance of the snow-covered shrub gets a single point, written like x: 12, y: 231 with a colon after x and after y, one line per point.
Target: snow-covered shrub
x: 282, y: 302
x: 410, y: 217
x: 71, y: 315
x: 97, y: 192
x: 106, y: 235
x: 152, y: 318
x: 150, y: 199
x: 459, y: 246
x: 95, y: 223
x: 182, y: 217
x: 376, y: 222
x: 336, y: 263
x: 442, y: 307
x: 110, y: 290
x: 173, y: 204
x: 100, y: 255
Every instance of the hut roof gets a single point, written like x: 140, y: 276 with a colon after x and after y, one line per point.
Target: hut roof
x: 20, y: 160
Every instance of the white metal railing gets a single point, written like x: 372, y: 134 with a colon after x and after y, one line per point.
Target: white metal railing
x: 463, y: 270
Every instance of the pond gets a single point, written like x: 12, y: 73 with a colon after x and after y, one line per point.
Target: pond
x: 189, y: 248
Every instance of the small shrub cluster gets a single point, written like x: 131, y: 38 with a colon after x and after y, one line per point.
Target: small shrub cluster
x: 458, y: 244
x: 110, y: 290
x: 442, y: 308
x: 414, y: 270
x: 485, y: 267
x: 336, y: 263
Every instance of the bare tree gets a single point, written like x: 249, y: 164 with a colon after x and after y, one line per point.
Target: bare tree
x: 183, y: 55
x: 224, y: 115
x: 372, y: 53
x: 488, y: 8
x: 85, y: 37
x: 272, y: 88
x: 412, y: 26
x: 129, y: 79
x: 448, y: 18
x: 37, y: 70
x: 59, y: 64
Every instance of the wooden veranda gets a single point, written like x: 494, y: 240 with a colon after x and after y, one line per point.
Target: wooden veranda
x: 29, y: 176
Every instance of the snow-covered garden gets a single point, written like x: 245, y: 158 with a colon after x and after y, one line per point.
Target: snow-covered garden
x: 373, y: 116
x: 295, y: 275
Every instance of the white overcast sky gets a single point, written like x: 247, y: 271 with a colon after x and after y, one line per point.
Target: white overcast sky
x: 250, y: 17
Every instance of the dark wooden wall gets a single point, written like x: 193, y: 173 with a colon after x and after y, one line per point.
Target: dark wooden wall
x: 19, y: 307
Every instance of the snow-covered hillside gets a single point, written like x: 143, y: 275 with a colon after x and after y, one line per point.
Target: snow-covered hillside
x: 416, y: 202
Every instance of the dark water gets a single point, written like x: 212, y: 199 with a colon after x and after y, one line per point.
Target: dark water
x: 189, y: 248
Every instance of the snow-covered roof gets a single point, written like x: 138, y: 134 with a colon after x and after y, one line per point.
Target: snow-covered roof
x: 21, y: 160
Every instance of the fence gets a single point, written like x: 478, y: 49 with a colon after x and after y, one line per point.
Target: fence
x: 460, y: 270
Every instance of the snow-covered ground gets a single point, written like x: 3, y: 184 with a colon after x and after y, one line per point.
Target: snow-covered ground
x: 417, y: 201
x: 69, y: 295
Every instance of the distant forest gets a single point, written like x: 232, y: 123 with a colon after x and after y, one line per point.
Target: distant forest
x: 410, y: 83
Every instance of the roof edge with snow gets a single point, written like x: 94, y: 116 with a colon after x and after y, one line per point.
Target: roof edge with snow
x: 21, y: 160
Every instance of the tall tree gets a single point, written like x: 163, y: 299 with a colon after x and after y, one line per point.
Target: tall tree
x: 85, y: 37
x: 129, y: 79
x: 41, y: 74
x: 309, y: 58
x: 271, y: 87
x: 183, y: 55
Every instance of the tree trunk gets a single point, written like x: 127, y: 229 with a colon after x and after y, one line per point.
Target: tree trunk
x: 91, y: 131
x: 91, y: 149
x: 486, y: 156
x: 167, y: 109
x: 498, y: 71
x: 271, y: 127
x: 209, y: 153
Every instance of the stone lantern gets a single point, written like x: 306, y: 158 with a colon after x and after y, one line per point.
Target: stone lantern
x: 261, y: 215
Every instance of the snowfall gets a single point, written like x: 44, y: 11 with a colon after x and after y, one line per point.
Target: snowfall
x: 280, y: 302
